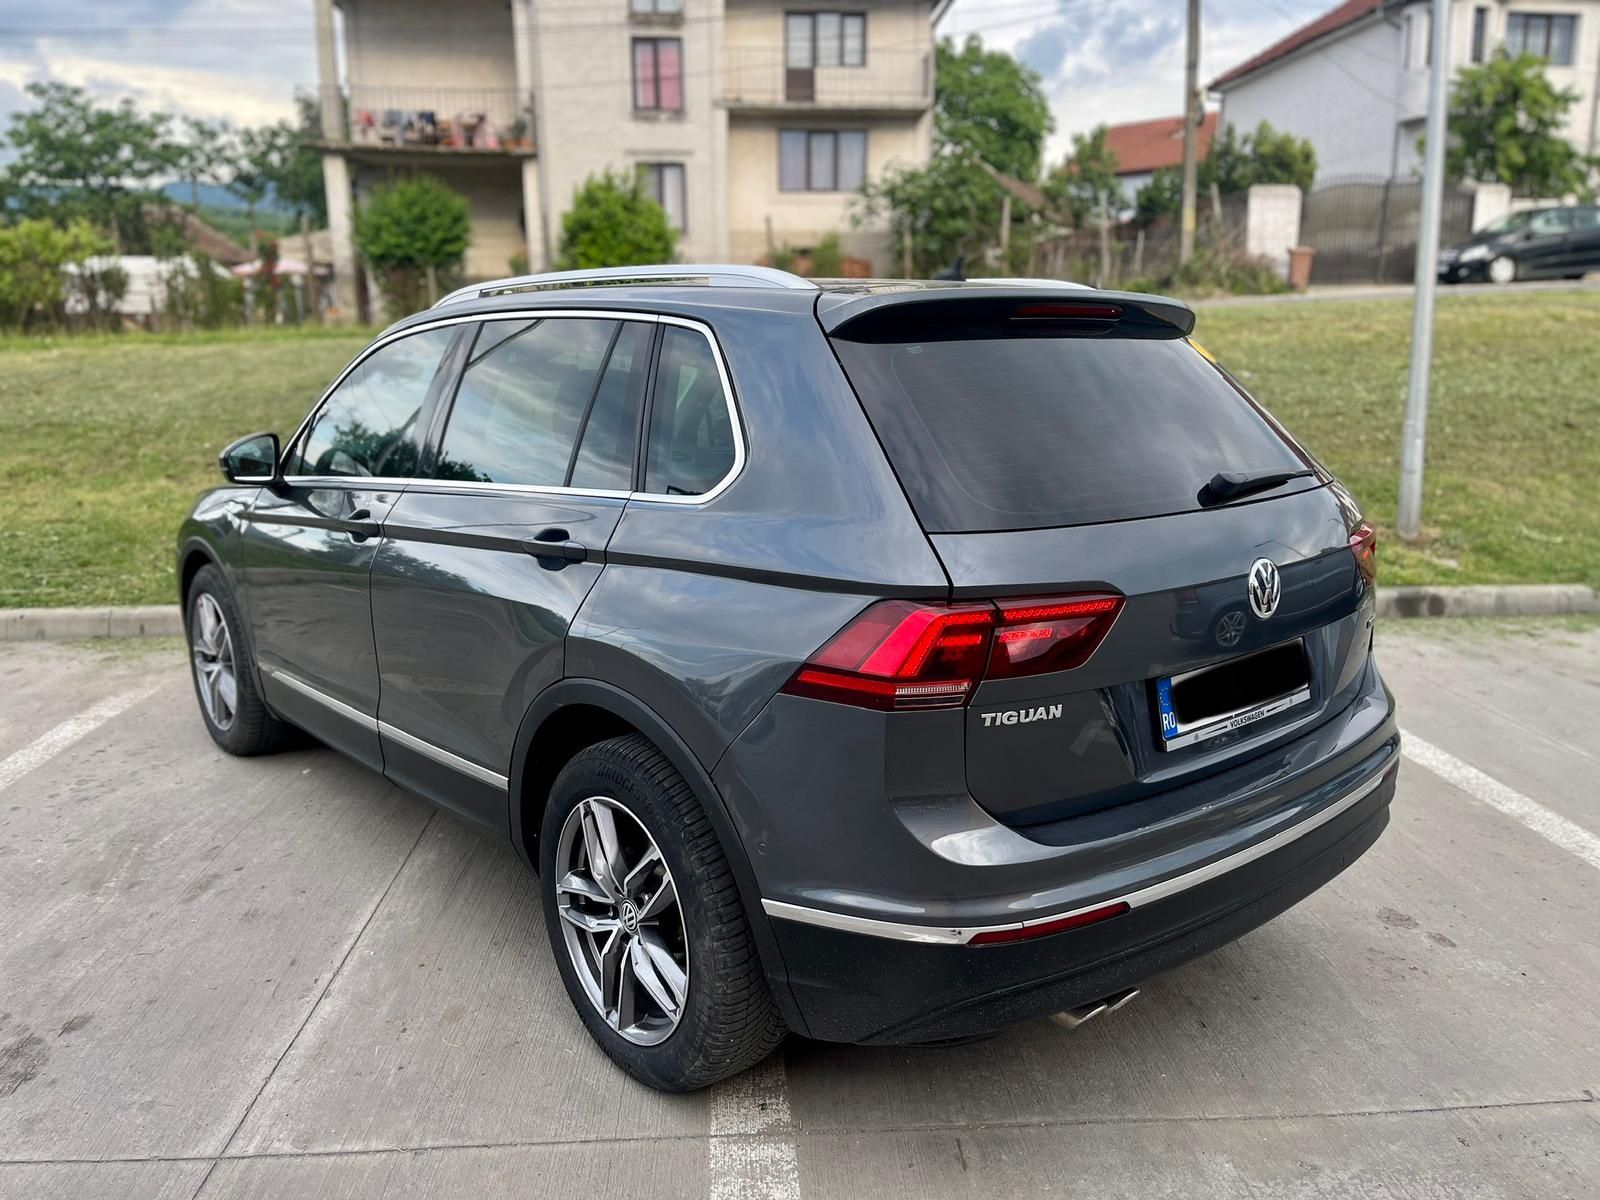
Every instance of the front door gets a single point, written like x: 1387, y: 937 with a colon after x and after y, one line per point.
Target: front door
x: 308, y: 548
x: 1545, y: 247
x: 485, y: 562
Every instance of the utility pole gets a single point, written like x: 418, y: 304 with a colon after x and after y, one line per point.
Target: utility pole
x: 1414, y: 431
x: 1191, y: 132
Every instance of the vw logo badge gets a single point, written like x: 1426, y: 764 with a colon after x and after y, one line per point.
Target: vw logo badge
x: 1265, y: 588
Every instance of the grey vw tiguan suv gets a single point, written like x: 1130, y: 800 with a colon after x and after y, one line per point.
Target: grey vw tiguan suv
x: 885, y: 662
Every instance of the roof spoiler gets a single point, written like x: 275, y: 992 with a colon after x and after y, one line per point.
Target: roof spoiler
x: 916, y: 314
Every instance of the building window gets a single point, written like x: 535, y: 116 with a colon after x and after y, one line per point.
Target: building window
x: 821, y: 160
x: 1549, y: 35
x: 658, y: 74
x: 1480, y: 33
x: 656, y: 7
x: 664, y: 183
x: 825, y: 39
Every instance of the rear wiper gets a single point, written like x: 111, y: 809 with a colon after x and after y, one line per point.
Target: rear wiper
x: 1228, y: 485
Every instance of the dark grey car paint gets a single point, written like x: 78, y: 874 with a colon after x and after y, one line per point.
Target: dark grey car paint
x: 698, y: 613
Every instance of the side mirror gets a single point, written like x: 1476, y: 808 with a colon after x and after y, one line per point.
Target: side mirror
x: 252, y: 459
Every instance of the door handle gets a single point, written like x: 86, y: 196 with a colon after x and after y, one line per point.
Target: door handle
x: 360, y: 525
x: 556, y: 544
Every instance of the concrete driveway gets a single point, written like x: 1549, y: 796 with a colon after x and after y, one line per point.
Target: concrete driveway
x: 285, y: 977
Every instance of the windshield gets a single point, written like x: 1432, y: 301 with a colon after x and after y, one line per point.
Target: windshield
x: 1508, y: 223
x: 1032, y: 432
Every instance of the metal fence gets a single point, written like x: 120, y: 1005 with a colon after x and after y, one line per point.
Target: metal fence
x: 1364, y: 230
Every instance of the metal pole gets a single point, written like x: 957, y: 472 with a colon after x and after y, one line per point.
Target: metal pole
x: 1414, y: 431
x: 1191, y: 131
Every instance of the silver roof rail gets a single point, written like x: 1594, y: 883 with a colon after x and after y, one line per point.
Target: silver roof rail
x: 712, y: 275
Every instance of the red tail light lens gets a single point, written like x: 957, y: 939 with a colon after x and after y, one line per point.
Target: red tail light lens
x: 1364, y: 545
x: 900, y: 654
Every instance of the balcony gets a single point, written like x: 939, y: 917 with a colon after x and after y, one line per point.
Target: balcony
x: 407, y: 121
x: 893, y: 82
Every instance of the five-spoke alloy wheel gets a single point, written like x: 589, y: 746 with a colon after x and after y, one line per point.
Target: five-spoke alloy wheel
x: 623, y: 926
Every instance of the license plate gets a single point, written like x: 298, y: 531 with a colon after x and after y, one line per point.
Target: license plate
x: 1281, y: 673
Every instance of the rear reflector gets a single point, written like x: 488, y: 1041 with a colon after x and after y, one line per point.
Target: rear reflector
x: 900, y: 654
x: 991, y: 937
x: 1364, y: 545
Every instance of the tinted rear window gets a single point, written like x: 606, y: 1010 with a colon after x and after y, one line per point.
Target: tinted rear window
x: 1025, y: 433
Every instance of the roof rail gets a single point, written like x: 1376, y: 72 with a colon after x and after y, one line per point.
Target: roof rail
x: 712, y: 275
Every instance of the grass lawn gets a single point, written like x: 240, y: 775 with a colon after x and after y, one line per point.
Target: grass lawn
x: 104, y: 442
x: 1510, y: 491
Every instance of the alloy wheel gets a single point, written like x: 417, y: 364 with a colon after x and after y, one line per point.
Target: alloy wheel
x: 621, y: 920
x: 214, y: 671
x: 1502, y: 270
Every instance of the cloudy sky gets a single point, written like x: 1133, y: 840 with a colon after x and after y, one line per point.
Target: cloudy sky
x: 1101, y: 60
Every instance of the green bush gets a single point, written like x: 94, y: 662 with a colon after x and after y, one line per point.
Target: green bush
x: 827, y: 260
x: 613, y: 223
x: 198, y: 296
x: 33, y: 258
x: 1213, y: 271
x: 413, y: 234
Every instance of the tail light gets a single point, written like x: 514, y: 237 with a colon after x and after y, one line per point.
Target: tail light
x: 1364, y: 545
x: 901, y: 654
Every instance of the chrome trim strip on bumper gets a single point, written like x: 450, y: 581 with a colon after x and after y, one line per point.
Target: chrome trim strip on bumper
x: 946, y: 935
x: 384, y: 729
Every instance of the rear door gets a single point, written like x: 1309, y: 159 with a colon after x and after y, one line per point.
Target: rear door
x: 307, y: 550
x: 487, y: 557
x: 1548, y: 244
x: 1585, y: 243
x: 1058, y: 459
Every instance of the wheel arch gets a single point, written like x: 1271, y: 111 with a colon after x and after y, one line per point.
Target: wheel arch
x: 573, y: 714
x: 194, y: 554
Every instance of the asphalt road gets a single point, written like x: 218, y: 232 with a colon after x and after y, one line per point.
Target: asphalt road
x: 285, y: 977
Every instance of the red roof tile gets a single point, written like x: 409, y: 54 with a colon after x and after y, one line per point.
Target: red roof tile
x: 1331, y: 21
x: 1148, y: 145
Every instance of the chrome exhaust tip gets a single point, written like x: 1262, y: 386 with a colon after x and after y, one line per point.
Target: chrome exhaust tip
x: 1073, y: 1017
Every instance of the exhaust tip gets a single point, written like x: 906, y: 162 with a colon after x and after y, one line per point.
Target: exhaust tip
x: 1071, y: 1018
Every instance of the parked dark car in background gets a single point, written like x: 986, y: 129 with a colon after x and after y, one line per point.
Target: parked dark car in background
x: 883, y: 662
x: 1535, y: 243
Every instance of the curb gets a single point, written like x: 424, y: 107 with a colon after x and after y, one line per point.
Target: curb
x: 1489, y: 600
x: 65, y: 624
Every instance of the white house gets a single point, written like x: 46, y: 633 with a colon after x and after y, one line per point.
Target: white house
x: 754, y: 122
x: 1354, y: 81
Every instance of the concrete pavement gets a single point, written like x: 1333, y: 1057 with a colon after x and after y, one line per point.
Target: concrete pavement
x: 285, y: 976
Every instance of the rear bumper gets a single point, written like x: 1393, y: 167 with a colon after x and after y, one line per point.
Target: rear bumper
x: 867, y: 987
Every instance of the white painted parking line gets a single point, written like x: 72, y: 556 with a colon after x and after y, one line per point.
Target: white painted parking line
x: 752, y: 1154
x: 1549, y: 825
x: 50, y: 743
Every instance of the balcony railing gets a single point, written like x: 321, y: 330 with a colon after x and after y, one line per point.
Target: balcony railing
x: 892, y: 80
x: 461, y: 120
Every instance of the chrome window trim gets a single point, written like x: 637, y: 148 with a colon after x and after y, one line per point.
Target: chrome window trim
x: 947, y: 935
x: 440, y: 755
x: 740, y: 455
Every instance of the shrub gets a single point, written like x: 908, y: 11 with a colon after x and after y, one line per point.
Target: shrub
x: 33, y: 258
x: 413, y: 234
x: 827, y: 260
x: 1216, y: 270
x: 613, y: 223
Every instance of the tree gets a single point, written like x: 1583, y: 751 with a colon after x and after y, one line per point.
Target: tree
x: 409, y: 232
x: 988, y: 109
x: 74, y: 158
x: 1236, y: 163
x: 1506, y: 119
x: 1087, y: 188
x: 613, y: 222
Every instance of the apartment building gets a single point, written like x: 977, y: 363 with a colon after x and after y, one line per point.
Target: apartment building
x: 1354, y: 82
x: 753, y: 122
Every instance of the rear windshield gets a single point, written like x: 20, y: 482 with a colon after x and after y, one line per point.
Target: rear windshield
x: 1025, y: 433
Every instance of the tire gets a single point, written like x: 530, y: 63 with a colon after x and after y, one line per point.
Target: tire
x: 1502, y: 270
x: 725, y: 1020
x: 245, y: 727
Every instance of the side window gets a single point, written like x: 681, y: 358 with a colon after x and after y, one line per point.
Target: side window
x: 368, y: 425
x: 522, y: 400
x: 611, y: 434
x: 1551, y: 221
x: 691, y: 445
